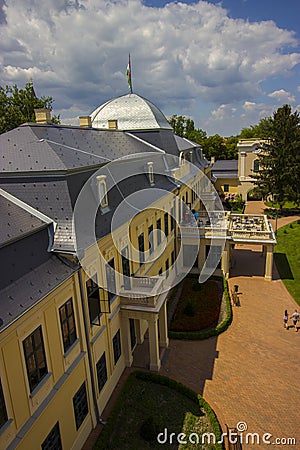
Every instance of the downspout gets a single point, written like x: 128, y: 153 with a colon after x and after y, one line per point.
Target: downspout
x: 88, y: 344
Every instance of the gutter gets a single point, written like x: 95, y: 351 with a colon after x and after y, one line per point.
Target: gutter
x: 89, y: 351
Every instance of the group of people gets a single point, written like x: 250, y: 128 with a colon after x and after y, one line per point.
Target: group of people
x: 295, y: 318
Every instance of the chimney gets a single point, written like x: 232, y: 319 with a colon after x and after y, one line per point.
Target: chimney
x: 212, y: 160
x: 42, y: 115
x: 112, y: 124
x: 85, y: 121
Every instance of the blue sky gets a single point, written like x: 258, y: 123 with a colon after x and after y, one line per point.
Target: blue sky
x: 225, y: 64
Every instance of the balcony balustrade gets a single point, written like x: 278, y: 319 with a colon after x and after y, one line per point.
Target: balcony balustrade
x: 143, y: 291
x: 237, y: 227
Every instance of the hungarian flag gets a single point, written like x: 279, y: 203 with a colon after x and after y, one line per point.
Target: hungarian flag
x: 128, y: 73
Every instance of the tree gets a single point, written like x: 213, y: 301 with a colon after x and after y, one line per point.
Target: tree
x: 178, y: 123
x: 17, y: 106
x: 214, y: 146
x: 185, y: 127
x: 231, y: 147
x: 261, y: 130
x: 279, y: 160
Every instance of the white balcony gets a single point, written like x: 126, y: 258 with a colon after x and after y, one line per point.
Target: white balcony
x: 144, y: 291
x: 235, y: 227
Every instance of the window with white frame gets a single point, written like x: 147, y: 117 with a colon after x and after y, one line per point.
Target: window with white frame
x: 102, y: 191
x: 150, y: 172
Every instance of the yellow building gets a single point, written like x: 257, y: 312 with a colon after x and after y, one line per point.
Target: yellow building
x: 67, y: 333
x: 248, y: 164
x: 224, y: 174
x: 96, y: 226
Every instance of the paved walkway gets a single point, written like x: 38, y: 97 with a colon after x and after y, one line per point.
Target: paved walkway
x: 251, y: 372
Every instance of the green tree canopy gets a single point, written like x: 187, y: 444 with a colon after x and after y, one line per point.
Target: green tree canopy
x: 185, y: 127
x: 214, y: 146
x: 261, y: 130
x: 279, y: 160
x: 17, y: 106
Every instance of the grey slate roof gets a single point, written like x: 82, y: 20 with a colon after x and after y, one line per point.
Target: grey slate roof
x: 185, y: 144
x: 225, y: 169
x: 50, y: 196
x: 40, y: 148
x: 23, y: 294
x: 16, y: 222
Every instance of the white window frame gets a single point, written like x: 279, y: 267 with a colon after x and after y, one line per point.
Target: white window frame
x: 150, y: 172
x: 102, y: 191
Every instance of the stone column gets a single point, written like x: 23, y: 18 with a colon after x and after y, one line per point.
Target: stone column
x: 153, y: 345
x: 126, y: 341
x: 243, y: 163
x: 163, y: 326
x: 225, y: 260
x: 269, y: 262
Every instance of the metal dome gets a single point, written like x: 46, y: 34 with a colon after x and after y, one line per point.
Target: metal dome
x: 130, y: 112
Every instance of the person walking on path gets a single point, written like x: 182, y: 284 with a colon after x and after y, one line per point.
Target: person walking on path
x: 285, y: 319
x: 295, y: 317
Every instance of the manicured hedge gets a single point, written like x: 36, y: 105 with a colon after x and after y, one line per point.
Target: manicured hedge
x: 103, y: 442
x: 198, y: 335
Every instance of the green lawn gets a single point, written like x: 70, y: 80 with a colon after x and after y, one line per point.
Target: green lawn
x: 145, y: 408
x: 287, y: 257
x: 286, y: 205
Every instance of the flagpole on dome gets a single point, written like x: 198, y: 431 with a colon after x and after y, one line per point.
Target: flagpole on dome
x: 128, y: 73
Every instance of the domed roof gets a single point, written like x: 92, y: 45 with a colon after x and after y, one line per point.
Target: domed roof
x: 132, y: 112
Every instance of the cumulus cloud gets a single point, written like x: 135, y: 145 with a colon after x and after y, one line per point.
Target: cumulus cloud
x: 182, y: 54
x: 282, y: 96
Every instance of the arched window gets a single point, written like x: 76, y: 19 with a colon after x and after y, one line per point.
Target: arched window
x: 102, y: 191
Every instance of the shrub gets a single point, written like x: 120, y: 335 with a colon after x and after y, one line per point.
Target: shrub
x: 149, y: 429
x: 189, y: 309
x: 214, y: 331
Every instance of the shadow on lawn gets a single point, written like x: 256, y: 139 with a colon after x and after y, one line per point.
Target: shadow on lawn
x: 283, y: 266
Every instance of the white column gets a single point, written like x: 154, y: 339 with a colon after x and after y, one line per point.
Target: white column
x: 153, y: 345
x: 269, y: 262
x: 225, y: 260
x: 163, y: 326
x: 243, y: 163
x: 126, y: 341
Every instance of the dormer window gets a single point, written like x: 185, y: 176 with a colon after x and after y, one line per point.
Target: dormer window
x: 150, y: 172
x: 102, y: 191
x: 182, y: 160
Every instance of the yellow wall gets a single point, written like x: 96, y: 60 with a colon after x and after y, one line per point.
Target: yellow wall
x: 232, y: 185
x: 33, y: 415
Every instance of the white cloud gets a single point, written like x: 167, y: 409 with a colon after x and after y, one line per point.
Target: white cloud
x: 282, y: 96
x: 182, y: 55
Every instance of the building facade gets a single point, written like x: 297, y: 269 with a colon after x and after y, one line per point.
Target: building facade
x: 75, y: 303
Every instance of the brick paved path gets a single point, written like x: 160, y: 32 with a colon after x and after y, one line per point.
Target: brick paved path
x: 251, y: 372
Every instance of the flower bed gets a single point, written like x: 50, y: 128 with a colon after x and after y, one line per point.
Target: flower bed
x: 198, y: 307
